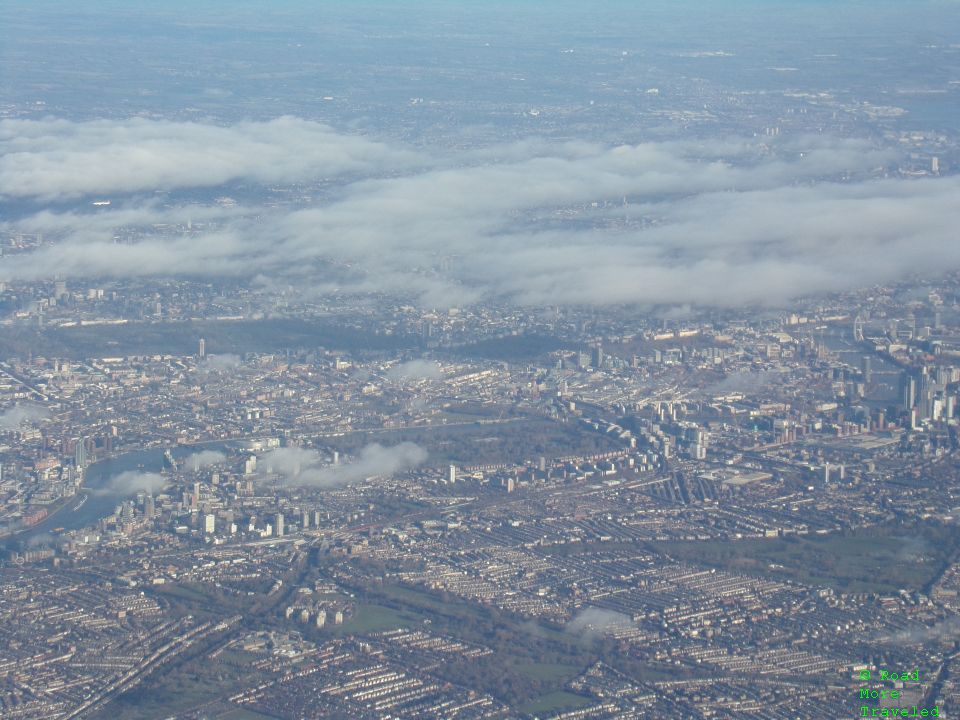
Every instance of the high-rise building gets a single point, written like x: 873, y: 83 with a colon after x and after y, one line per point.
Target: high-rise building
x: 867, y: 369
x: 597, y: 358
x: 452, y: 474
x: 304, y: 520
x: 80, y: 453
x: 925, y: 394
x: 149, y: 507
x: 203, y: 348
x: 908, y: 391
x: 278, y: 524
x: 209, y: 523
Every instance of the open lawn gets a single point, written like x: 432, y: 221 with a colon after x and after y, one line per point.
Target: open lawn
x: 549, y: 672
x: 554, y: 702
x: 375, y: 618
x: 881, y: 560
x: 244, y: 714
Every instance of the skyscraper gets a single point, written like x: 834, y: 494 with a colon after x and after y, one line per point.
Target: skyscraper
x: 203, y: 348
x: 908, y: 391
x: 598, y: 358
x: 80, y: 453
x: 278, y: 524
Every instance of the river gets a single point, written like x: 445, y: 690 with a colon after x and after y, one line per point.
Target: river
x: 95, y: 499
x: 885, y: 387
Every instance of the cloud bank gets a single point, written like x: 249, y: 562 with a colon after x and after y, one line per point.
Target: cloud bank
x: 745, y: 381
x: 728, y: 222
x: 416, y: 370
x: 597, y: 621
x: 132, y: 481
x: 302, y: 467
x: 202, y: 459
x: 12, y: 418
x: 57, y: 159
x: 219, y: 363
x: 945, y: 631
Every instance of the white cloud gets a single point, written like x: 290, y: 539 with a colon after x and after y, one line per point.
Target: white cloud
x: 12, y: 418
x: 53, y: 159
x: 718, y: 223
x: 745, y: 381
x: 133, y: 481
x: 302, y: 467
x: 219, y: 363
x: 943, y: 632
x: 202, y: 459
x: 597, y: 621
x: 416, y: 370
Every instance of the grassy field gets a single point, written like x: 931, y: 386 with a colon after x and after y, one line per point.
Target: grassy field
x: 554, y: 702
x: 514, y: 439
x: 514, y: 348
x: 244, y: 714
x: 180, y: 337
x: 869, y: 560
x: 376, y: 618
x: 549, y: 672
x: 192, y: 679
x: 175, y: 692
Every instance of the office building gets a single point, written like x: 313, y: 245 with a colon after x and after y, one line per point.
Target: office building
x: 80, y: 454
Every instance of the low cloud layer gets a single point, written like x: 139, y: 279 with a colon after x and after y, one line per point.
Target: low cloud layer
x: 12, y: 418
x: 202, y: 459
x: 132, y: 481
x: 597, y: 621
x: 727, y: 222
x: 302, y: 467
x: 946, y: 631
x: 416, y: 370
x: 220, y: 363
x: 57, y: 159
x: 745, y: 381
